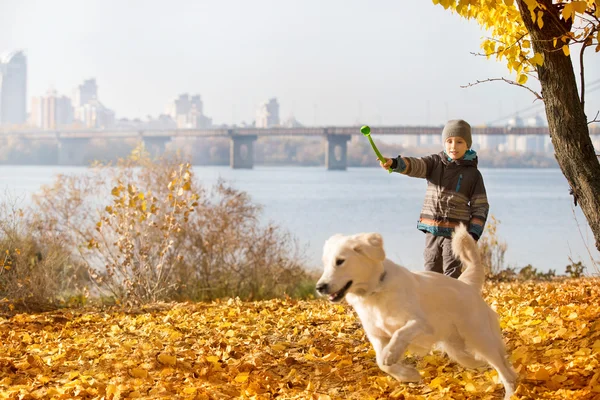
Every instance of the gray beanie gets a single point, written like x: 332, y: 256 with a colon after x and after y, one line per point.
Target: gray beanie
x: 457, y: 128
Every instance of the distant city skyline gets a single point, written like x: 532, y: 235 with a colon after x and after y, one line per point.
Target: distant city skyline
x: 84, y: 109
x: 327, y: 63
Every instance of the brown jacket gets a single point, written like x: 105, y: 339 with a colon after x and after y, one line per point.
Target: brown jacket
x: 455, y: 192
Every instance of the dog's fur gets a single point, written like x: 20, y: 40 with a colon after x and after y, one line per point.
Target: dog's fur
x: 400, y: 309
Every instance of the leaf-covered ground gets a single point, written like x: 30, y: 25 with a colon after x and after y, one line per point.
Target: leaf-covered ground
x: 289, y: 349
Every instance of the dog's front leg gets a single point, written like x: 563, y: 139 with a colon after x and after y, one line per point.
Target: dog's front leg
x: 401, y: 372
x: 402, y: 338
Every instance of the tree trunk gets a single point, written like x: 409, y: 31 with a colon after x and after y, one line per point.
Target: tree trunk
x: 567, y: 121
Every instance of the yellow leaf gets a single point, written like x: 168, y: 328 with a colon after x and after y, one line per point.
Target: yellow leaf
x: 26, y: 338
x: 139, y: 373
x: 343, y: 363
x: 568, y: 11
x: 552, y: 352
x: 469, y: 387
x: 542, y: 375
x: 187, y: 186
x: 579, y: 6
x: 561, y: 331
x: 242, y: 377
x: 521, y: 80
x: 278, y: 347
x: 111, y: 390
x: 559, y: 378
x: 167, y: 359
x: 189, y: 390
x: 566, y: 50
x: 537, y: 59
x: 540, y: 21
x: 180, y: 191
x: 212, y: 359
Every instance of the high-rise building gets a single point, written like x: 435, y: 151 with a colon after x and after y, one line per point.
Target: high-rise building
x: 51, y: 111
x: 89, y: 110
x: 95, y: 115
x: 188, y: 112
x: 85, y: 93
x: 13, y: 88
x: 267, y: 114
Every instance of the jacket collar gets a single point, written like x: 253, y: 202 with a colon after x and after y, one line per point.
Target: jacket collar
x: 470, y: 158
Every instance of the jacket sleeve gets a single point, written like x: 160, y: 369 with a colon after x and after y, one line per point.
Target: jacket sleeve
x: 479, y: 208
x: 415, y: 167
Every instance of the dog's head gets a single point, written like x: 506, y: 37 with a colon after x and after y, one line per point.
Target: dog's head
x: 352, y: 264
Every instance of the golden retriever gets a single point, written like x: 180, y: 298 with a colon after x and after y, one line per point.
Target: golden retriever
x: 401, y: 309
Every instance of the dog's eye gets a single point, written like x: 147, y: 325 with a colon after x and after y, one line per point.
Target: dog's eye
x: 339, y: 261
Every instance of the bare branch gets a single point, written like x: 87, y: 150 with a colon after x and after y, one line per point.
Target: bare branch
x: 536, y: 94
x: 581, y: 68
x: 595, y: 118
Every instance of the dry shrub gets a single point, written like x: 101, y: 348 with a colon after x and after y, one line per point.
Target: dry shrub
x: 37, y: 272
x: 492, y: 249
x: 228, y: 253
x: 148, y: 232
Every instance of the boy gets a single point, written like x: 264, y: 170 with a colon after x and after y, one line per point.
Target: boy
x: 455, y: 194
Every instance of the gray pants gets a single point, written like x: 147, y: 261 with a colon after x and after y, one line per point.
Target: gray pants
x: 439, y: 257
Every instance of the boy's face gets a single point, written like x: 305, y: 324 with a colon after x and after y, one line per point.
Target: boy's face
x: 456, y: 147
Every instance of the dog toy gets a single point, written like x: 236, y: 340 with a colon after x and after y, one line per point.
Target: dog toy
x: 366, y: 131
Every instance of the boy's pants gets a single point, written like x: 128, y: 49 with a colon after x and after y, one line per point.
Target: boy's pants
x: 439, y: 257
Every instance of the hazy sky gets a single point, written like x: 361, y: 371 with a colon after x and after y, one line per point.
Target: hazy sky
x: 329, y: 62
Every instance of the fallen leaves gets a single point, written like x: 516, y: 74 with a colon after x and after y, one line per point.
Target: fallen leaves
x: 291, y: 350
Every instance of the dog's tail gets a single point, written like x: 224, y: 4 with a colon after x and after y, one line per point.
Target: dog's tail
x: 465, y: 247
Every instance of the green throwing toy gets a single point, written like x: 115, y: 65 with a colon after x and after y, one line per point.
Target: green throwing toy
x: 366, y: 131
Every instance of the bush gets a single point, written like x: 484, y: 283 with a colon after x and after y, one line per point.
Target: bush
x: 37, y: 272
x: 492, y: 249
x: 575, y: 269
x: 161, y: 236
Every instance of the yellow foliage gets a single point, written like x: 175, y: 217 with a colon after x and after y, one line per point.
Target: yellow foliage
x: 291, y: 350
x: 511, y: 42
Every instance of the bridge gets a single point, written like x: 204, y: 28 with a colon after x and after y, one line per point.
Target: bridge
x: 71, y: 143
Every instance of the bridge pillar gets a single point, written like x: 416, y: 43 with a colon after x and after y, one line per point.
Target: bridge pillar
x: 73, y: 151
x: 156, y: 145
x: 241, y: 151
x: 337, y: 151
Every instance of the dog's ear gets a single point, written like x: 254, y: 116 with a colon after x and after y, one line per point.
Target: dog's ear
x: 371, y: 245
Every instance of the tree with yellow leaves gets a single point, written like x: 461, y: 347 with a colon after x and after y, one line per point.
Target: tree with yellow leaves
x: 535, y: 38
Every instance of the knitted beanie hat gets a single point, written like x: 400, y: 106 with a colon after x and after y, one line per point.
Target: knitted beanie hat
x: 457, y: 128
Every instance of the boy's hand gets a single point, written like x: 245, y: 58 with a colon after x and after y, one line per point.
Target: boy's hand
x: 387, y: 164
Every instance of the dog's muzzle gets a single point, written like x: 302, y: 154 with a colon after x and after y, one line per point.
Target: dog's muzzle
x: 324, y: 289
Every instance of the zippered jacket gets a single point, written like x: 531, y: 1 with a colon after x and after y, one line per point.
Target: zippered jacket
x: 455, y: 192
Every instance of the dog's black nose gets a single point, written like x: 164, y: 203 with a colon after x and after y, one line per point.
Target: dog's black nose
x: 322, y: 288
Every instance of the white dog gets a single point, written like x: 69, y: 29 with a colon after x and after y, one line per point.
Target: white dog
x: 399, y: 308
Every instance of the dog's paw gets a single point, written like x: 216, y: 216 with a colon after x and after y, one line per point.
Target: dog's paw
x: 403, y: 373
x: 389, y: 358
